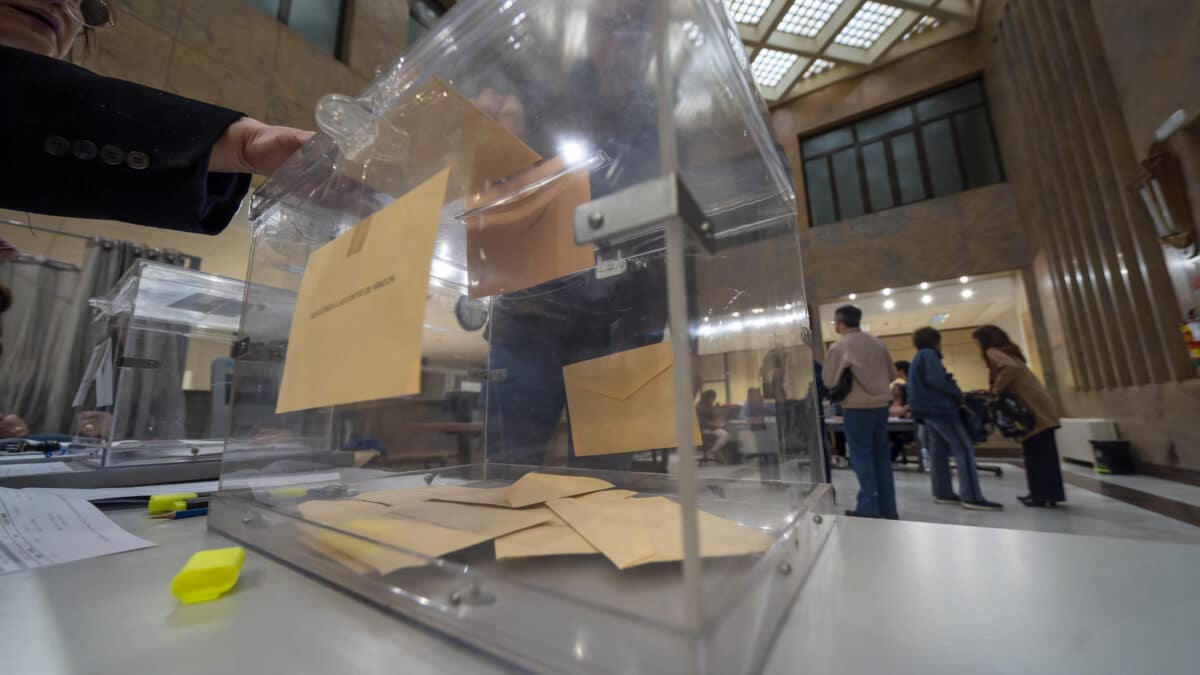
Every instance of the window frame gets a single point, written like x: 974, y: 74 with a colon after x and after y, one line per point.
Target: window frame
x: 915, y: 128
x: 284, y: 15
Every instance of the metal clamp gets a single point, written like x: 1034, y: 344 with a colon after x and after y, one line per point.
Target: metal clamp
x: 642, y: 207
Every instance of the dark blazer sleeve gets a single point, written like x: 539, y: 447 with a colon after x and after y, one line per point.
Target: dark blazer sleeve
x: 82, y: 145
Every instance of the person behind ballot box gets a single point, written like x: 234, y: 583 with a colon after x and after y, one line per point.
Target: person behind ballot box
x: 82, y: 145
x: 536, y: 331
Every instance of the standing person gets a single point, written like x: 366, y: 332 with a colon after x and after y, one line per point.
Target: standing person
x: 933, y: 398
x: 1009, y: 373
x: 865, y: 410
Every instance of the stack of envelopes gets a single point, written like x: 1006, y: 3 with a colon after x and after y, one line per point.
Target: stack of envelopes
x: 538, y: 515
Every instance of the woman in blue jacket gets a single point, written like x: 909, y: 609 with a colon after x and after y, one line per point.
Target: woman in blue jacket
x: 933, y: 398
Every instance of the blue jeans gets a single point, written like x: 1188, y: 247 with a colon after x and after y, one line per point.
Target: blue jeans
x: 871, y: 459
x: 946, y: 435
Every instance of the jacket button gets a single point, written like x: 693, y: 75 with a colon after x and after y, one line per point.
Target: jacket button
x: 112, y: 155
x: 136, y: 159
x: 85, y: 150
x: 57, y: 146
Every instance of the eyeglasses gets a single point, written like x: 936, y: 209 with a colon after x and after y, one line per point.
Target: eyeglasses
x: 91, y: 13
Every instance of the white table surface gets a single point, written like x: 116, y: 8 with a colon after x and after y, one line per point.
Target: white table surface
x: 885, y: 597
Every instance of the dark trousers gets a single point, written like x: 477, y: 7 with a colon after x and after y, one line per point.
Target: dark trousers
x: 871, y: 459
x: 534, y: 333
x: 1042, y: 470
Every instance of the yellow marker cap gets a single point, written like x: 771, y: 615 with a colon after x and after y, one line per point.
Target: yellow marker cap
x: 208, y: 574
x: 166, y: 503
x: 288, y: 492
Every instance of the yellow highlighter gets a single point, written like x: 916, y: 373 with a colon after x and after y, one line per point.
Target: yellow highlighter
x: 208, y: 574
x: 166, y: 503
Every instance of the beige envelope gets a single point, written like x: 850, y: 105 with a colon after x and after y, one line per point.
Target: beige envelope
x: 429, y: 528
x: 554, y: 537
x: 399, y: 496
x: 624, y: 402
x: 436, y: 127
x: 528, y: 238
x: 641, y: 531
x: 532, y: 488
x: 357, y: 328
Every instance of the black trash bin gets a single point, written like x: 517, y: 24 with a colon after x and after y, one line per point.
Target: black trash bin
x: 1112, y: 457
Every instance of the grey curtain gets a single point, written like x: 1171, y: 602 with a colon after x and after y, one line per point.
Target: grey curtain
x: 58, y: 338
x: 40, y: 293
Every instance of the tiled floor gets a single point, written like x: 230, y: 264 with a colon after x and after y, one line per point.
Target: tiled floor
x: 1086, y: 512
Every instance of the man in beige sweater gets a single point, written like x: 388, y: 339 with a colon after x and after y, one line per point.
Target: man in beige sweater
x: 865, y: 410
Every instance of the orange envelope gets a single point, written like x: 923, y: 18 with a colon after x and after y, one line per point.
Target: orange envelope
x: 357, y: 327
x: 624, y: 402
x: 522, y: 235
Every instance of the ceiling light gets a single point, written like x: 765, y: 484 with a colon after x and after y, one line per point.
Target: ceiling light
x: 817, y: 67
x: 736, y: 314
x: 771, y: 65
x: 868, y: 23
x: 808, y: 17
x: 924, y: 285
x: 706, y: 319
x: 853, y: 296
x: 963, y: 279
x: 887, y: 291
x: 923, y: 25
x: 889, y: 304
x: 748, y: 11
x: 926, y: 299
x: 757, y: 310
x: 967, y: 293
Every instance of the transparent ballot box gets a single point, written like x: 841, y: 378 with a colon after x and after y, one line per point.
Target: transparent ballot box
x: 547, y: 379
x: 154, y: 335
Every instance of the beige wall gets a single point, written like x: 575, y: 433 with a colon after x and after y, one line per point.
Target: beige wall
x: 972, y: 232
x: 1154, y: 56
x: 1075, y: 99
x: 960, y: 356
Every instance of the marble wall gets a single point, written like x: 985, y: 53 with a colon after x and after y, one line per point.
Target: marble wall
x: 1073, y: 122
x: 974, y: 232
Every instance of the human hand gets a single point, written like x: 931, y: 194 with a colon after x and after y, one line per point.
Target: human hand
x: 505, y: 109
x: 93, y: 423
x: 12, y: 426
x: 249, y: 146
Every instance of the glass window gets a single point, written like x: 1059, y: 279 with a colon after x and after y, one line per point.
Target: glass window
x: 819, y: 145
x: 820, y: 191
x: 950, y: 100
x: 849, y: 189
x: 874, y: 127
x: 271, y: 7
x: 978, y: 151
x: 317, y: 21
x: 908, y: 168
x: 944, y: 176
x: 931, y: 147
x: 879, y: 184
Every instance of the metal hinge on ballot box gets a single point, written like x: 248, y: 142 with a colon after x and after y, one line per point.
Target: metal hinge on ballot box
x: 639, y: 208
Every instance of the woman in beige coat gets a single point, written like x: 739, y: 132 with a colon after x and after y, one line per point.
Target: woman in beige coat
x: 1009, y: 372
